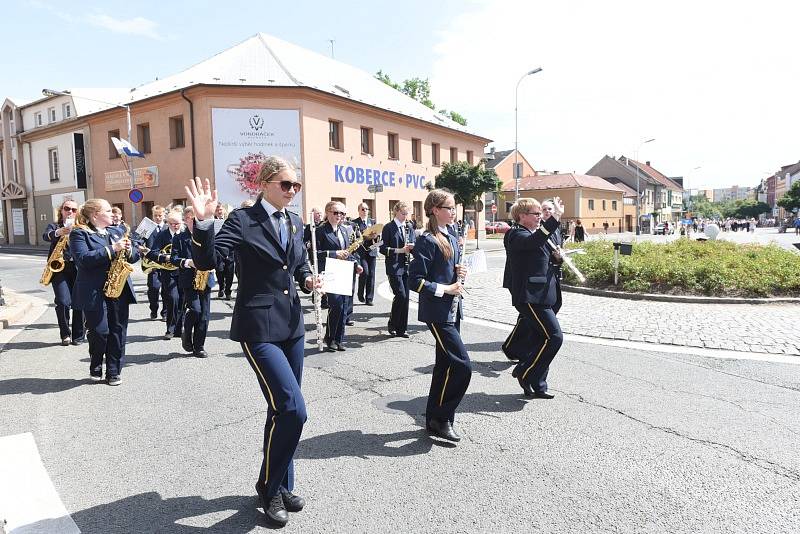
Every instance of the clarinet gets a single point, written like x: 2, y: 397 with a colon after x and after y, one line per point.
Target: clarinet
x: 317, y: 294
x: 457, y: 298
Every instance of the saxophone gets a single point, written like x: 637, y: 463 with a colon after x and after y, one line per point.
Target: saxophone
x: 201, y: 280
x: 149, y: 266
x: 118, y: 272
x: 55, y: 262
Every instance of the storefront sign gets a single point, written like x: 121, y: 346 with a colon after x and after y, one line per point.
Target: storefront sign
x: 143, y: 177
x: 243, y: 139
x: 80, y: 160
x: 360, y: 175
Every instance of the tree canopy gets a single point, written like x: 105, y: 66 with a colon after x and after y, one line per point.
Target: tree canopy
x: 791, y: 199
x: 419, y: 90
x: 467, y: 182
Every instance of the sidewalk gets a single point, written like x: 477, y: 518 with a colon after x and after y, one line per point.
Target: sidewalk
x: 759, y: 328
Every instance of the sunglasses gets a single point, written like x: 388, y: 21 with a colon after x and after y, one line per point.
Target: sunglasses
x: 342, y: 213
x: 537, y: 213
x: 448, y: 208
x: 286, y: 185
x: 73, y: 210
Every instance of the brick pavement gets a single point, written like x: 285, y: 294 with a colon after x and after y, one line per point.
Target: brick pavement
x: 763, y: 328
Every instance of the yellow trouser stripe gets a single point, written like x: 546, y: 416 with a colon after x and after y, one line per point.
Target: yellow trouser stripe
x: 546, y: 339
x: 447, y: 375
x: 421, y: 283
x: 272, y: 405
x: 508, y: 341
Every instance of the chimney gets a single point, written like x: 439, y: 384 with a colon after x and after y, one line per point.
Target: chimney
x: 648, y: 164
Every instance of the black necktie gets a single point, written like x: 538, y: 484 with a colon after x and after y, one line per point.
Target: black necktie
x: 282, y: 234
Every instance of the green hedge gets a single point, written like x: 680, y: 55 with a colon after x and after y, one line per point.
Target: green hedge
x: 689, y: 267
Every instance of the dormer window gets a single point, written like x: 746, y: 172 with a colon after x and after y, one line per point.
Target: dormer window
x: 51, y: 114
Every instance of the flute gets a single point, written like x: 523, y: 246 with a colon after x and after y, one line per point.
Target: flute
x: 568, y: 262
x: 317, y: 295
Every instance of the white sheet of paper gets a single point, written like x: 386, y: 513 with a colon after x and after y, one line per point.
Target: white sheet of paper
x: 218, y: 225
x: 337, y: 278
x: 145, y: 228
x: 476, y: 262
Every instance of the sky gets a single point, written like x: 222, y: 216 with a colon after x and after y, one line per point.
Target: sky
x: 716, y: 84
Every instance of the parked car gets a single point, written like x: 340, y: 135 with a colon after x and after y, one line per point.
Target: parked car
x: 661, y: 229
x: 498, y: 227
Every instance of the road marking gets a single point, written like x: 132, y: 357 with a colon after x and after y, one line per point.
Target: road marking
x: 30, y: 501
x: 385, y: 291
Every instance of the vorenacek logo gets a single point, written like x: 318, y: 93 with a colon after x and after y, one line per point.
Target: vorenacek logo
x: 256, y: 122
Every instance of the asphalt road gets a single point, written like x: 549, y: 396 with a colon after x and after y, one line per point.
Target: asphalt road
x: 634, y: 441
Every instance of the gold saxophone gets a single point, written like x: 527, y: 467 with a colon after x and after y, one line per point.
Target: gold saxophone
x: 201, y: 280
x: 118, y: 272
x: 55, y: 262
x: 149, y: 266
x: 369, y: 233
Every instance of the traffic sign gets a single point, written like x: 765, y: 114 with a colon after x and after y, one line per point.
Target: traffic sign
x: 494, y: 208
x: 135, y: 195
x: 375, y: 188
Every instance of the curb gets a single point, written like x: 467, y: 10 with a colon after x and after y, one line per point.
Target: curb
x: 676, y: 298
x: 17, y: 306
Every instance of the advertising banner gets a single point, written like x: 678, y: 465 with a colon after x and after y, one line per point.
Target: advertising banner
x: 142, y: 177
x: 243, y: 138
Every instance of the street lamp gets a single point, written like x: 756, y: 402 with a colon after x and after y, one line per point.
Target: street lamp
x: 638, y: 195
x: 127, y: 107
x: 516, y: 132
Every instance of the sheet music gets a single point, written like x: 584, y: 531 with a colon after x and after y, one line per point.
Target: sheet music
x: 337, y: 278
x: 218, y: 225
x: 145, y: 228
x: 476, y: 262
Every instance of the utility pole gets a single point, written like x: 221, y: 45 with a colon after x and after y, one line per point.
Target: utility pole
x: 332, y: 41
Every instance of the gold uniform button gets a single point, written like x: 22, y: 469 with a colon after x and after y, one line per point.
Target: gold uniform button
x: 285, y: 291
x: 285, y: 267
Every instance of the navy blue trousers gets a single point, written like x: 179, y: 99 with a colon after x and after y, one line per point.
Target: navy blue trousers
x: 196, y: 316
x: 154, y: 293
x: 107, y: 331
x: 279, y: 370
x: 366, y: 280
x: 339, y: 306
x: 524, y: 335
x: 540, y: 328
x: 173, y: 302
x: 62, y: 291
x: 225, y: 270
x: 398, y: 320
x: 451, y: 372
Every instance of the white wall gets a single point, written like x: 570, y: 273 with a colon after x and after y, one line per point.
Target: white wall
x: 41, y: 164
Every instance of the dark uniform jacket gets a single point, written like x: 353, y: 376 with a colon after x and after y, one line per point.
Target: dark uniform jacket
x: 182, y: 250
x: 429, y: 268
x: 532, y: 275
x: 93, y: 254
x: 161, y: 240
x: 267, y: 305
x: 394, y: 238
x: 328, y: 243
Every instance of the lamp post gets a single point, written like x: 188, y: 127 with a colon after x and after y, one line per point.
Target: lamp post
x: 516, y: 132
x: 638, y: 195
x: 127, y: 107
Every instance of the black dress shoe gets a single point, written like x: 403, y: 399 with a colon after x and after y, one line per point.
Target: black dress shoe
x: 369, y: 303
x: 186, y: 343
x: 227, y: 296
x: 78, y: 341
x: 350, y: 323
x: 169, y: 335
x: 403, y: 334
x: 526, y: 388
x: 543, y: 395
x: 443, y: 429
x: 275, y: 510
x: 200, y: 353
x: 339, y: 347
x: 392, y: 331
x: 329, y: 348
x: 153, y: 316
x: 292, y: 502
x: 361, y: 300
x: 221, y: 294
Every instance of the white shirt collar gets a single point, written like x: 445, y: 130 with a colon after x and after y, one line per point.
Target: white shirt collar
x: 398, y: 223
x: 444, y: 230
x: 270, y: 209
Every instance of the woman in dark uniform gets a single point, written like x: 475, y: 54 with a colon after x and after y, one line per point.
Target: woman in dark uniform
x: 95, y: 243
x: 64, y: 280
x: 434, y: 274
x: 267, y: 317
x: 532, y: 270
x: 227, y: 265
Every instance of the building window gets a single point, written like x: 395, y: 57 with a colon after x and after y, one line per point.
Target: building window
x: 335, y: 134
x: 436, y: 154
x: 470, y: 157
x: 604, y: 205
x: 453, y: 154
x: 391, y: 207
x: 38, y: 118
x: 143, y: 136
x: 52, y: 156
x: 614, y: 205
x: 176, y: 138
x: 394, y: 145
x: 591, y: 204
x: 366, y: 141
x: 112, y: 150
x: 418, y: 211
x: 51, y: 114
x: 66, y: 110
x: 416, y: 150
x: 147, y: 209
x: 178, y: 202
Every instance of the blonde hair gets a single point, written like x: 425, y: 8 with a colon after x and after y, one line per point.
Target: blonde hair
x: 523, y: 205
x: 248, y: 203
x: 400, y: 206
x: 89, y: 208
x: 157, y: 209
x: 272, y: 166
x: 187, y: 210
x: 329, y: 206
x: 436, y: 199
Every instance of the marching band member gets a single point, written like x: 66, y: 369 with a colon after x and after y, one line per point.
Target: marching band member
x: 154, y: 291
x: 116, y: 216
x: 267, y: 317
x: 173, y: 300
x: 368, y: 255
x: 396, y: 244
x: 64, y: 280
x: 197, y: 302
x: 227, y: 265
x: 434, y: 274
x: 534, y: 292
x: 95, y: 243
x: 333, y: 238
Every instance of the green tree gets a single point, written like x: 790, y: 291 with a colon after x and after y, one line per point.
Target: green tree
x: 419, y: 90
x: 467, y: 183
x: 703, y: 208
x: 791, y: 199
x: 750, y: 208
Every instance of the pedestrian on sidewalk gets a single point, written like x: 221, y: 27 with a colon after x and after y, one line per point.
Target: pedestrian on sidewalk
x: 436, y: 274
x: 578, y: 234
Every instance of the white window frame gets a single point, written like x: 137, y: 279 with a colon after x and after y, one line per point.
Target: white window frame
x: 37, y: 118
x: 66, y: 110
x: 52, y: 162
x: 51, y: 114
